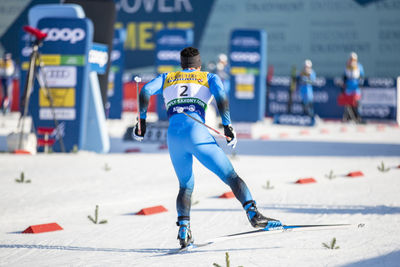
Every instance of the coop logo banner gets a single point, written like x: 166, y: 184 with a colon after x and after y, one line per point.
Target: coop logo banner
x: 64, y: 34
x: 290, y: 119
x: 169, y: 55
x: 98, y: 58
x: 251, y: 57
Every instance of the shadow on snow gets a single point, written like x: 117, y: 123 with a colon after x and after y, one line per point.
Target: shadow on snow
x: 164, y: 251
x: 320, y: 209
x: 388, y: 260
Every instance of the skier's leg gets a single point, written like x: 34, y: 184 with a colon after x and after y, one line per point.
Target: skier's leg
x: 4, y: 94
x: 182, y: 162
x: 212, y: 157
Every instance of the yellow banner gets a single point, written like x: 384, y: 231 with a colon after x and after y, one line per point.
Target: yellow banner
x: 48, y: 60
x: 244, y: 87
x: 62, y: 97
x: 164, y: 69
x: 238, y: 70
x: 51, y: 60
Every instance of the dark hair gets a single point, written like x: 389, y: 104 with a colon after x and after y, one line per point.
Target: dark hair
x: 190, y: 58
x: 189, y: 52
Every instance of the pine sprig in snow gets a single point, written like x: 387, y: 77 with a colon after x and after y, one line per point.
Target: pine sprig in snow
x: 332, y: 245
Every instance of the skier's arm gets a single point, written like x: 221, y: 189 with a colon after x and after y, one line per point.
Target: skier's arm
x: 313, y: 77
x: 217, y: 90
x: 362, y: 75
x: 344, y: 82
x: 151, y: 88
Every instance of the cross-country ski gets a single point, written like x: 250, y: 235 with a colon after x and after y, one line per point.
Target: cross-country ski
x: 266, y: 232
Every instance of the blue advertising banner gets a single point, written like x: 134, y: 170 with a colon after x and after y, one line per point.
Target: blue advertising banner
x: 64, y: 53
x: 168, y: 59
x: 98, y: 58
x: 325, y: 92
x: 290, y: 119
x: 248, y: 61
x: 115, y: 86
x: 378, y: 98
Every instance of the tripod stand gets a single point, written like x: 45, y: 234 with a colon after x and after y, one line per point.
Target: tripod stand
x: 32, y: 73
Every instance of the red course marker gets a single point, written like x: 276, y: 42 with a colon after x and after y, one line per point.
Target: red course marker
x: 324, y: 131
x: 162, y: 147
x: 355, y: 174
x: 152, y: 210
x: 265, y: 137
x: 133, y: 150
x: 306, y: 181
x: 305, y: 132
x: 42, y: 228
x: 22, y: 152
x: 283, y: 135
x: 227, y: 195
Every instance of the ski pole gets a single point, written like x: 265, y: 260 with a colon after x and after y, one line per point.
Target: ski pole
x: 138, y: 80
x: 209, y: 127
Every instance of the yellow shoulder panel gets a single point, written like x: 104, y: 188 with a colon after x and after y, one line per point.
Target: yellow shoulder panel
x: 178, y: 77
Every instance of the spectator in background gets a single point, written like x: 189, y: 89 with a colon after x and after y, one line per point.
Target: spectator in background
x: 7, y: 71
x: 306, y: 79
x: 352, y: 80
x: 222, y: 70
x: 292, y: 88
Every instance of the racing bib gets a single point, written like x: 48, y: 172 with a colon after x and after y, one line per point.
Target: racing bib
x: 186, y: 91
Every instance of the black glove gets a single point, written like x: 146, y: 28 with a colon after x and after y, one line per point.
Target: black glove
x: 229, y: 132
x: 136, y: 135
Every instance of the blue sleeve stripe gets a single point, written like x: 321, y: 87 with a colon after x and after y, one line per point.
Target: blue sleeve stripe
x: 218, y: 91
x: 153, y: 87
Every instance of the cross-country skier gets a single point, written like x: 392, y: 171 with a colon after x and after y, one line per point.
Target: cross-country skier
x: 306, y: 79
x: 190, y: 90
x: 353, y: 78
x: 7, y: 72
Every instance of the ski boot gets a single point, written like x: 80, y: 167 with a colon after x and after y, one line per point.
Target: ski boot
x: 258, y: 220
x: 184, y: 234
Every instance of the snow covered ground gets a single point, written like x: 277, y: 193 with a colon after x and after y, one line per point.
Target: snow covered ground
x: 65, y: 188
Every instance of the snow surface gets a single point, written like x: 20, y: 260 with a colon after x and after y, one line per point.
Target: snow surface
x: 65, y: 188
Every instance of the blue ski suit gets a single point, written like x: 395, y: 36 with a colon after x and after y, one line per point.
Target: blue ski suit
x: 353, y: 76
x: 306, y: 81
x: 191, y: 91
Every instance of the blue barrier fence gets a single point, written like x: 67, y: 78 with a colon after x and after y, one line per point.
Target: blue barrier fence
x: 379, y: 98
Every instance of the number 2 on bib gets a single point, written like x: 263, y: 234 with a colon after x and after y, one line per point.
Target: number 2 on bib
x: 184, y: 88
